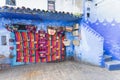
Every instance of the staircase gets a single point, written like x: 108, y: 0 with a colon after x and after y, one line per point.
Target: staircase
x: 92, y: 45
x: 107, y: 58
x: 111, y: 64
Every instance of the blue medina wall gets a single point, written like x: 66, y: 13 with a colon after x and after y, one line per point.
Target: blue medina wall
x: 4, y: 49
x: 41, y: 19
x: 105, y: 19
x: 110, y: 31
x: 43, y: 25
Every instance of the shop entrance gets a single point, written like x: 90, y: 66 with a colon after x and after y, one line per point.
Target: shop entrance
x: 40, y: 46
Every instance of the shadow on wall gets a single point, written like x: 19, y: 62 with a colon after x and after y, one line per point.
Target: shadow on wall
x: 110, y: 32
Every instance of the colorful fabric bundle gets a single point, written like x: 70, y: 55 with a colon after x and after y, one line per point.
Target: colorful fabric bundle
x: 37, y: 47
x: 19, y: 46
x: 53, y: 47
x: 48, y: 48
x: 31, y: 47
x: 58, y: 58
x: 25, y: 46
x: 42, y: 45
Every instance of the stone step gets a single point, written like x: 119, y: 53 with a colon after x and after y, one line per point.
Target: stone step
x: 112, y: 65
x: 107, y: 58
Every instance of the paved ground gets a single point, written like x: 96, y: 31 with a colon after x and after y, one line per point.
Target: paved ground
x: 67, y: 70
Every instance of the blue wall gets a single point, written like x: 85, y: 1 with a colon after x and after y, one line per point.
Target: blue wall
x: 39, y: 24
x: 110, y: 31
x: 4, y: 49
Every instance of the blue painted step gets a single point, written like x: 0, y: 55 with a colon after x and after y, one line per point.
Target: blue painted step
x: 107, y: 58
x: 112, y: 65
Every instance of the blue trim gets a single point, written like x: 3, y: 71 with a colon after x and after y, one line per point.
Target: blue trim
x: 41, y: 16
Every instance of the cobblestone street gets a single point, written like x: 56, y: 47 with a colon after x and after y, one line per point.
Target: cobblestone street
x: 67, y: 70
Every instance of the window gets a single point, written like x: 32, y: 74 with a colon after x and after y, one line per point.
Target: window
x: 3, y: 40
x: 11, y: 2
x: 51, y: 5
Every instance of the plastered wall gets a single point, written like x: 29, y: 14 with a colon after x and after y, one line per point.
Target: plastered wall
x: 105, y: 19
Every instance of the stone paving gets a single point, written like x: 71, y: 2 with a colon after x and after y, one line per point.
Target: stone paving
x: 68, y: 70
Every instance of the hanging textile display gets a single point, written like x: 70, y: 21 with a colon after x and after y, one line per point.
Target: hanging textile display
x: 31, y: 46
x: 61, y: 37
x: 57, y: 47
x: 25, y: 46
x: 52, y: 33
x: 48, y: 48
x: 53, y: 47
x: 42, y: 45
x: 58, y: 44
x: 19, y: 45
x: 34, y: 47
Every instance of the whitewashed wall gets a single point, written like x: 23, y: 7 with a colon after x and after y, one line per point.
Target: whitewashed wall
x: 2, y: 2
x: 41, y: 4
x: 60, y: 5
x: 4, y: 49
x: 105, y: 9
x: 91, y: 46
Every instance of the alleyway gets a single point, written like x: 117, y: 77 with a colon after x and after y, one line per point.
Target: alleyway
x: 67, y: 70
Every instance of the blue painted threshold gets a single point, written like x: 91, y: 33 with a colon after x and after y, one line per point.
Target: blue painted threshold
x: 112, y: 65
